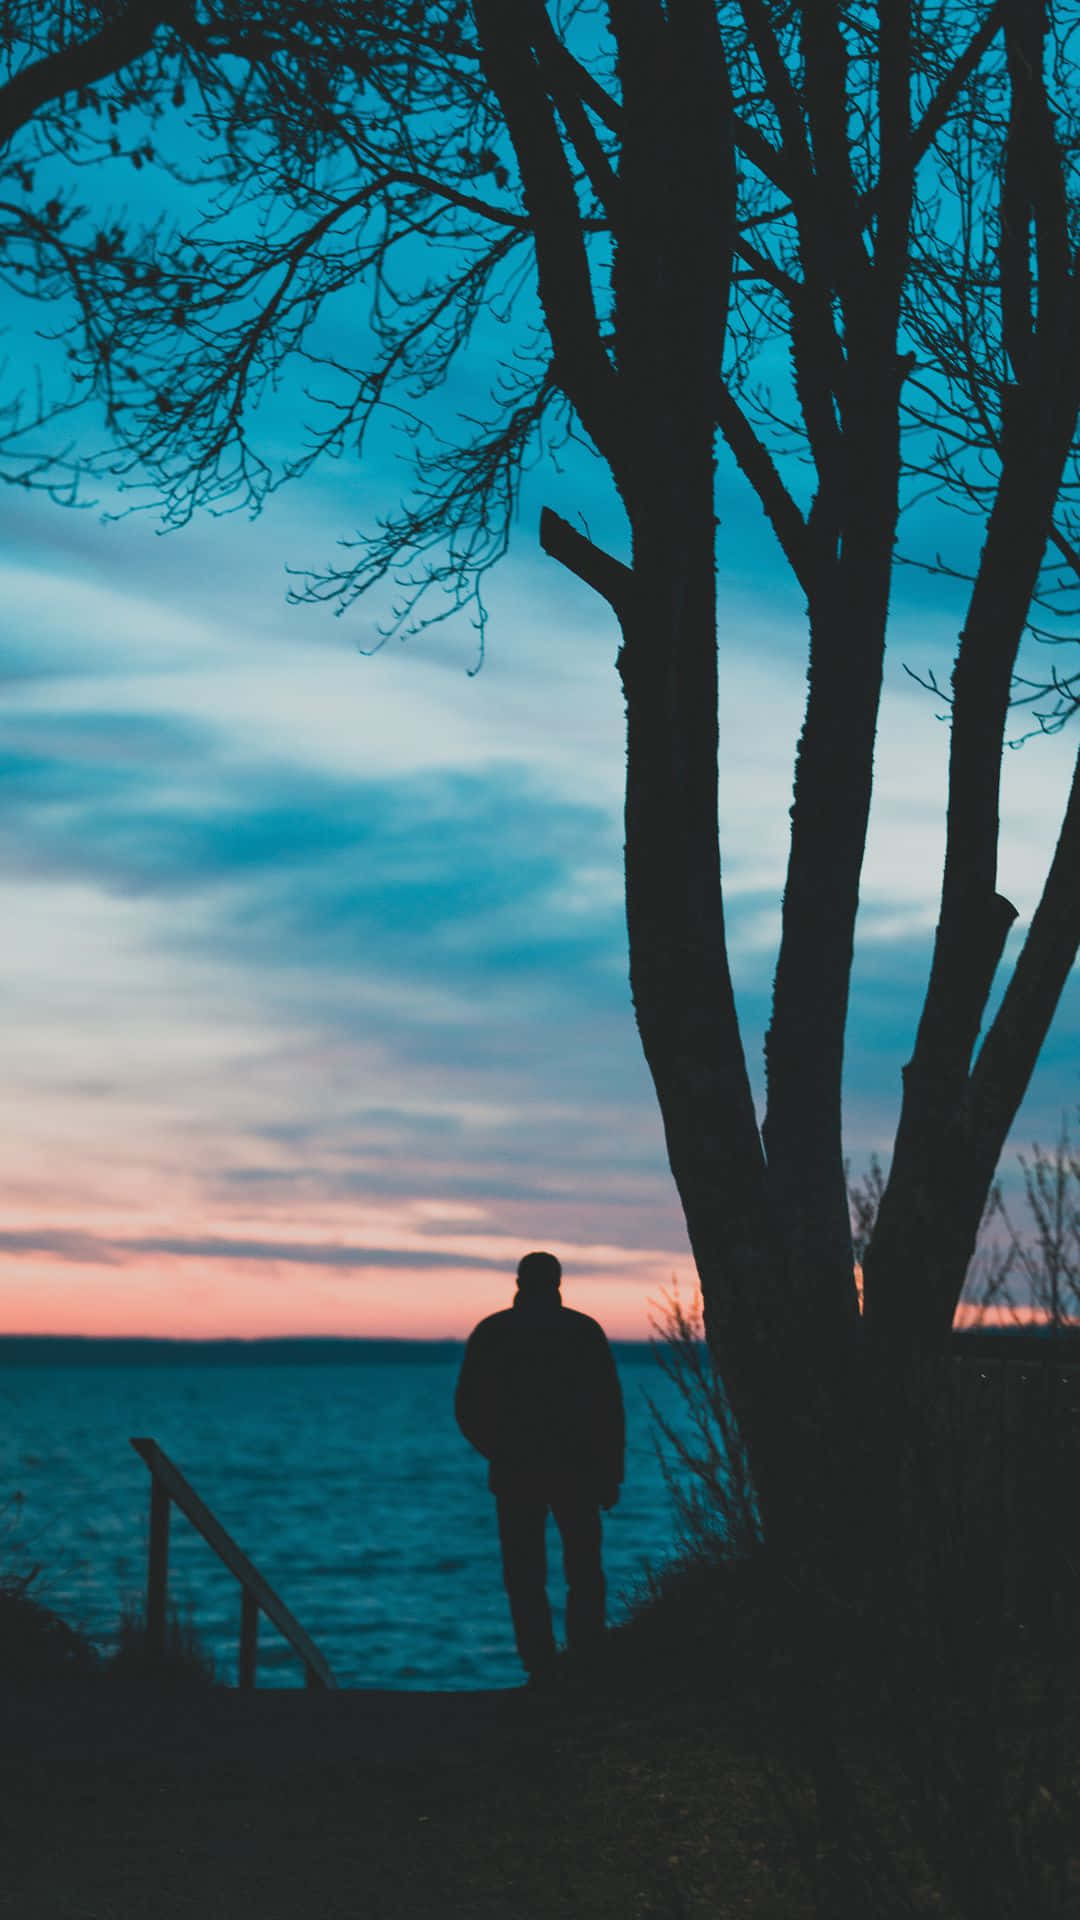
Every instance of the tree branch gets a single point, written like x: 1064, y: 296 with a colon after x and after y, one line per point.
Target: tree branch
x: 781, y: 92
x: 562, y: 82
x: 896, y: 181
x: 70, y: 68
x: 834, y: 201
x: 757, y: 464
x: 1011, y: 1048
x: 607, y: 577
x: 582, y: 367
x: 1033, y: 195
x: 937, y: 112
x: 922, y: 136
x: 585, y: 85
x: 767, y: 270
x: 762, y: 154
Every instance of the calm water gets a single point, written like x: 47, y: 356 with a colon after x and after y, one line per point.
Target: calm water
x: 339, y: 1470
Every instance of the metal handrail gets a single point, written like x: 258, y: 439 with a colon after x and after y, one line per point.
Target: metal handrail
x: 167, y: 1484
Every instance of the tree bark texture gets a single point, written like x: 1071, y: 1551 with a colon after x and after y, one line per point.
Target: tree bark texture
x: 848, y: 611
x: 676, y: 177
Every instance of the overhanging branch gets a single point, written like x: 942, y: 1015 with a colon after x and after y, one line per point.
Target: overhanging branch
x: 124, y: 39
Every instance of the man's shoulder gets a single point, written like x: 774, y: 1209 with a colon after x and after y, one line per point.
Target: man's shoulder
x: 568, y: 1321
x: 583, y: 1326
x: 489, y: 1327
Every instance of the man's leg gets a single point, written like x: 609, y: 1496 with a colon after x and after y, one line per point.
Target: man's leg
x: 577, y: 1515
x: 522, y: 1518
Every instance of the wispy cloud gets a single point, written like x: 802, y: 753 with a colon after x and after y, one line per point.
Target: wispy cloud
x: 304, y: 953
x: 82, y: 1249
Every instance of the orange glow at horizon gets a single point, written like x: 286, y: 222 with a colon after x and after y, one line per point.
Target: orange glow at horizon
x: 187, y: 1299
x: 163, y: 1258
x: 969, y: 1315
x: 403, y: 1303
x: 105, y: 1285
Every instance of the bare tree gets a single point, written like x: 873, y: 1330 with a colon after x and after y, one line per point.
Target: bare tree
x: 1037, y: 1265
x: 655, y: 195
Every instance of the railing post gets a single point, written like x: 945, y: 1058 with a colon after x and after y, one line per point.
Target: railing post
x: 168, y: 1486
x: 157, y: 1579
x: 249, y: 1638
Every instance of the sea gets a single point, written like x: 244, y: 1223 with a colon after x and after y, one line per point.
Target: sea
x: 336, y: 1465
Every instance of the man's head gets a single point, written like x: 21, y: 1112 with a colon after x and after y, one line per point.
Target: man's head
x: 538, y: 1274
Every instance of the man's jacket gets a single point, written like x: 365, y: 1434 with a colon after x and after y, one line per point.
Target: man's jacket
x: 539, y: 1397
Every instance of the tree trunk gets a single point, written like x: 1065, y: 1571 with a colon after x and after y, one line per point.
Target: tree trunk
x: 679, y: 974
x: 830, y: 813
x: 786, y: 1368
x: 676, y: 183
x: 941, y: 1172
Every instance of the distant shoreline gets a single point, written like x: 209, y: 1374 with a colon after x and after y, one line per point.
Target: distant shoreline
x: 275, y: 1350
x: 79, y: 1349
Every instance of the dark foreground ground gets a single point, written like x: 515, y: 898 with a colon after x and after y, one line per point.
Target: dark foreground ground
x: 389, y: 1806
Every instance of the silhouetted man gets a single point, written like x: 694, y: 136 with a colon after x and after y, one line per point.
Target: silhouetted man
x: 539, y: 1397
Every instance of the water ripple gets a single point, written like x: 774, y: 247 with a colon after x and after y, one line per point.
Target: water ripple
x: 349, y: 1486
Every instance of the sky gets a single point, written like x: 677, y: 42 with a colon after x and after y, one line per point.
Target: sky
x: 314, y: 968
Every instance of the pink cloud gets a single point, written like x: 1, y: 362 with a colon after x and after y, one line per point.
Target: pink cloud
x: 193, y: 1298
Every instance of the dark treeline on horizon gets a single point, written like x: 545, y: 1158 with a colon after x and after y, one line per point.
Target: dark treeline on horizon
x: 358, y: 1350
x: 310, y: 1349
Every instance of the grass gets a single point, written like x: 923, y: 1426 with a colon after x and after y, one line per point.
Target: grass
x: 720, y: 1760
x: 905, y: 1763
x: 573, y: 1809
x: 184, y: 1661
x: 36, y: 1645
x: 623, y: 1797
x: 41, y: 1651
x: 682, y: 1778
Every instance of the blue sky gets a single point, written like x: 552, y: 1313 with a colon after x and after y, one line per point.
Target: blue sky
x: 315, y: 965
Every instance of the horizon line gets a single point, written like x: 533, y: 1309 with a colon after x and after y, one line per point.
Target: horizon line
x: 276, y: 1339
x: 1025, y: 1322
